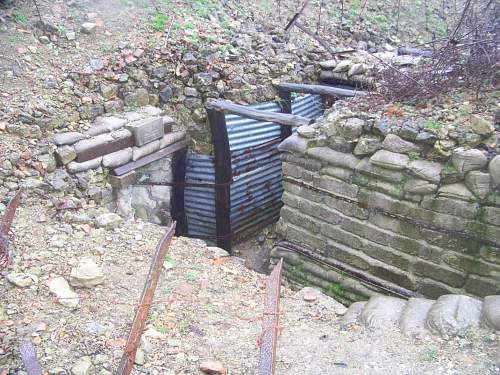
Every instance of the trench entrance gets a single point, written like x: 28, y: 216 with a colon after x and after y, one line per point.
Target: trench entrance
x: 236, y: 193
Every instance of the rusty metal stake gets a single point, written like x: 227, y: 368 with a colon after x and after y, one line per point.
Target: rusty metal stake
x: 5, y: 224
x: 8, y: 216
x: 269, y: 337
x: 134, y: 338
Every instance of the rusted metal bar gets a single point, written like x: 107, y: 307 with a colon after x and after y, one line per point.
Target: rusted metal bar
x: 28, y: 356
x: 269, y: 337
x: 5, y: 224
x: 8, y: 216
x: 138, y: 325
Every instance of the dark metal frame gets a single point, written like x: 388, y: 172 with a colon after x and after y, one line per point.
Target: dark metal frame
x: 223, y: 175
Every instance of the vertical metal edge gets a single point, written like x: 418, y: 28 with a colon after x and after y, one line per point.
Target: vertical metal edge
x: 223, y: 174
x: 286, y: 107
x: 177, y: 210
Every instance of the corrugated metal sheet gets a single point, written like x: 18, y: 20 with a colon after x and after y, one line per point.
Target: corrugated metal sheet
x: 244, y: 133
x: 199, y: 201
x: 257, y: 188
x: 309, y: 106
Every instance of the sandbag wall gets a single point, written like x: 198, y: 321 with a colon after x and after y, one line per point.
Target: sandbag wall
x: 375, y: 204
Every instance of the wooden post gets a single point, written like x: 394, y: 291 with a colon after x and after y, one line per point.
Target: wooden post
x: 223, y: 175
x: 179, y: 184
x: 286, y: 107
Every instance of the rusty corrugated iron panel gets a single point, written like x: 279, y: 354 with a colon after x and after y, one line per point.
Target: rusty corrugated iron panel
x: 270, y: 321
x: 138, y: 325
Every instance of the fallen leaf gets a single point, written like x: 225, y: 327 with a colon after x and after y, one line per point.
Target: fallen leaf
x: 219, y: 261
x: 118, y: 343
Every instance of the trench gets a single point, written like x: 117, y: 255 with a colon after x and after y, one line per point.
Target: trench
x: 236, y: 204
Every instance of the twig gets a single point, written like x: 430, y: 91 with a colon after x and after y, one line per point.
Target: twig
x: 318, y: 26
x: 38, y: 10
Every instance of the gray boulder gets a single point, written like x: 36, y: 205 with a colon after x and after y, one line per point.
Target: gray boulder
x: 468, y: 160
x: 414, y: 316
x: 453, y: 315
x: 494, y: 169
x: 491, y: 311
x: 479, y: 183
x: 367, y: 145
x: 382, y: 311
x: 108, y: 221
x: 426, y: 170
x: 396, y: 144
x: 390, y: 160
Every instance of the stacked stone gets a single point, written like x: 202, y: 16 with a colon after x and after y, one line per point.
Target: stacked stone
x: 379, y: 198
x: 117, y: 140
x: 360, y: 67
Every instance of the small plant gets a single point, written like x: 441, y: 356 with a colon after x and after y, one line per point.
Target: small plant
x: 107, y: 48
x: 61, y: 30
x: 192, y: 276
x: 430, y: 354
x: 183, y: 325
x: 158, y: 21
x: 20, y: 17
x: 188, y: 25
x: 184, y: 109
x: 431, y: 124
x: 414, y: 155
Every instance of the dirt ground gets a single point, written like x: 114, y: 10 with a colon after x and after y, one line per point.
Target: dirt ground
x: 206, y: 308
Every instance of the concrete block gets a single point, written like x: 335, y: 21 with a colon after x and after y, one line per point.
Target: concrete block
x: 123, y: 181
x: 147, y: 130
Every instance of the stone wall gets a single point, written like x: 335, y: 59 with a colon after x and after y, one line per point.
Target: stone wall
x: 360, y: 67
x: 378, y: 204
x: 89, y: 162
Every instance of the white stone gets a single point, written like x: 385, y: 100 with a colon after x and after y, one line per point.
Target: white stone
x: 65, y: 296
x: 86, y: 274
x: 108, y: 221
x: 22, y: 280
x: 88, y: 27
x: 83, y: 366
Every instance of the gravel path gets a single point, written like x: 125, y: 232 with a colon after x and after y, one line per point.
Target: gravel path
x: 207, y: 308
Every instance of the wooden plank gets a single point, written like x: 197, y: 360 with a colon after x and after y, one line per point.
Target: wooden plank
x: 245, y: 111
x: 149, y: 158
x: 286, y: 107
x: 178, y: 185
x: 318, y: 89
x: 104, y: 149
x: 223, y: 175
x: 141, y: 314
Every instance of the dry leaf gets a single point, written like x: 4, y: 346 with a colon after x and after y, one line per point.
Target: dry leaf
x: 118, y: 343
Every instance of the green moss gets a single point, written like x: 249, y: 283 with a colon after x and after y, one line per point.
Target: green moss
x: 414, y: 155
x: 431, y: 124
x: 335, y: 289
x: 158, y: 21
